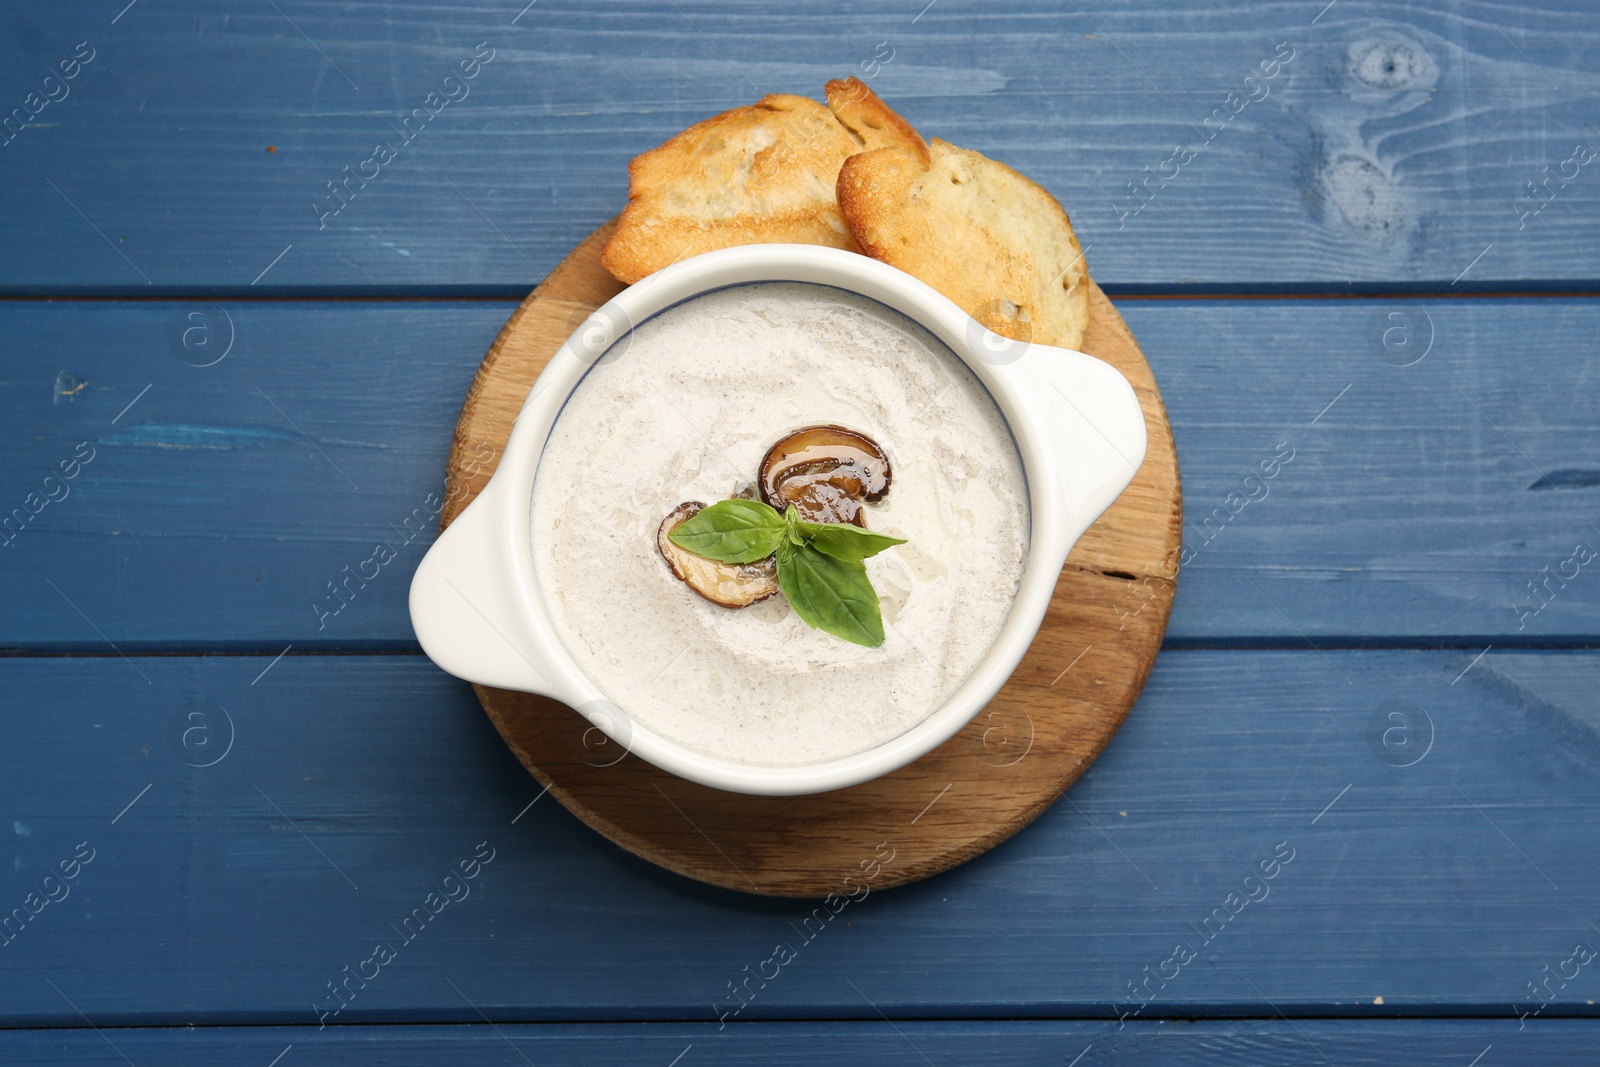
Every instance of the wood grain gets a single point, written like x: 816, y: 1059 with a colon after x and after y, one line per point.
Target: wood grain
x: 1324, y: 181
x: 1059, y: 710
x: 218, y: 898
x: 205, y: 522
x: 1239, y: 1043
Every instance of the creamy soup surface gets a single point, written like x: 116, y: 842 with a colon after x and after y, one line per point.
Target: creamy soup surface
x: 686, y: 411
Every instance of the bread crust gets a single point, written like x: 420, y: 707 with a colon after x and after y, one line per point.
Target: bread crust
x: 757, y: 174
x: 871, y: 122
x: 997, y: 244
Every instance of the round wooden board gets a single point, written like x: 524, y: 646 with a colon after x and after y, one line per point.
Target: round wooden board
x: 1055, y: 715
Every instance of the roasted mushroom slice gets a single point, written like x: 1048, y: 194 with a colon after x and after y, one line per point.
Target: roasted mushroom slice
x: 732, y: 585
x: 826, y: 472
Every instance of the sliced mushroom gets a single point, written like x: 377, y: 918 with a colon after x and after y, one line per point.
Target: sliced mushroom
x: 732, y: 585
x: 826, y: 472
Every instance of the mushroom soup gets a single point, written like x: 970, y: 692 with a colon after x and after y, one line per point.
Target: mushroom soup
x: 797, y: 395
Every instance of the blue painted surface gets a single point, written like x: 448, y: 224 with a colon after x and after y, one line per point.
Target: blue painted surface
x: 1415, y: 508
x: 239, y: 828
x: 1393, y: 147
x: 1426, y: 1043
x: 248, y: 877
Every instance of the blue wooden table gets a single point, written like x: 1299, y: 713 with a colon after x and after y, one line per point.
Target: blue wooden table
x: 1365, y: 235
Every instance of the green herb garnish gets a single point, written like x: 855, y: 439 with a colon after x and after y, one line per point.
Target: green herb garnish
x: 819, y: 564
x: 733, y: 531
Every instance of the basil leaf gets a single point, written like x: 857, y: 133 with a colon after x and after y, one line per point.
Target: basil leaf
x: 832, y: 594
x: 732, y: 531
x: 791, y: 523
x: 846, y: 541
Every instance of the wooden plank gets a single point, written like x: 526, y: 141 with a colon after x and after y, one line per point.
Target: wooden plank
x: 1396, y: 145
x: 1438, y: 860
x: 1443, y: 500
x: 1423, y: 1042
x: 324, y: 428
x: 1414, y: 508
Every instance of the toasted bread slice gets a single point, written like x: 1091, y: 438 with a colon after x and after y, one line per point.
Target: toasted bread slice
x: 757, y: 174
x: 992, y: 241
x: 869, y: 120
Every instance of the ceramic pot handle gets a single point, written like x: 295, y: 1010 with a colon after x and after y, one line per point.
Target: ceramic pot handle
x: 466, y: 610
x: 1092, y: 427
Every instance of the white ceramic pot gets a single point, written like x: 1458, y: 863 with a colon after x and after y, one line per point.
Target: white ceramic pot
x: 1078, y: 428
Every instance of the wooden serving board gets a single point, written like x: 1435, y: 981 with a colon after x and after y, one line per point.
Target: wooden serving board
x: 1056, y: 714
